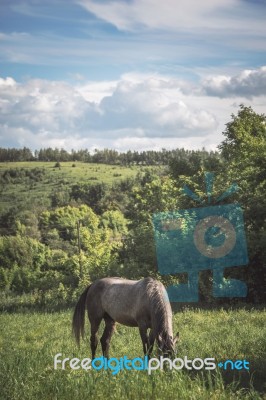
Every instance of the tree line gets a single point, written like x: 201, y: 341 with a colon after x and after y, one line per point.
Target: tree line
x: 108, y: 156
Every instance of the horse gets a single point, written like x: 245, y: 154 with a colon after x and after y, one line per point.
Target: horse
x: 143, y: 304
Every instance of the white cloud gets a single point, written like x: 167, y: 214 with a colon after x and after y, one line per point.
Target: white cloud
x: 137, y: 111
x: 96, y: 91
x: 153, y: 106
x: 7, y: 82
x: 248, y: 83
x: 148, y: 143
x: 162, y: 34
x: 176, y: 15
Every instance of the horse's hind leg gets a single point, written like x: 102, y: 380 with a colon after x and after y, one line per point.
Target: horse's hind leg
x: 107, y: 334
x: 94, y: 337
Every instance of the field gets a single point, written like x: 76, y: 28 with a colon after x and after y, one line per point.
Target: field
x: 30, y: 335
x: 38, y: 190
x: 29, y: 342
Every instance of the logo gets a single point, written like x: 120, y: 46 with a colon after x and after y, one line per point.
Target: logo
x: 145, y: 364
x: 196, y: 239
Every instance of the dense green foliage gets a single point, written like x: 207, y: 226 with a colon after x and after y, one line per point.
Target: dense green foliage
x: 244, y: 150
x: 30, y: 341
x: 64, y: 224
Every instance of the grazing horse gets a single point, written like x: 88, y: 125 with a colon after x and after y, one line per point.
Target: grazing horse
x: 143, y: 304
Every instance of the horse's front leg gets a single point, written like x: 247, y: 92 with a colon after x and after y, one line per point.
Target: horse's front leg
x: 151, y: 342
x: 144, y: 338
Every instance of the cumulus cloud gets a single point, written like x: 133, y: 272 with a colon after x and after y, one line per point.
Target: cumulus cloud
x: 249, y: 83
x: 131, y: 107
x: 153, y: 107
x: 41, y: 105
x: 149, y: 111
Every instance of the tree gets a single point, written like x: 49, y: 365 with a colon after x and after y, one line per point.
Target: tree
x: 64, y: 221
x: 78, y: 232
x: 245, y: 136
x: 115, y: 221
x: 92, y: 195
x: 21, y: 260
x: 244, y: 149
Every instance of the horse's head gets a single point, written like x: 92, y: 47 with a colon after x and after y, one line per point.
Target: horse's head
x: 167, y: 344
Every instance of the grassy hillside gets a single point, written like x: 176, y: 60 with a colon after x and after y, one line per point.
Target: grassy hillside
x: 29, y: 342
x: 36, y: 188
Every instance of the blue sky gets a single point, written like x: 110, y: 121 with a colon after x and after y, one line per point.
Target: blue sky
x: 136, y: 74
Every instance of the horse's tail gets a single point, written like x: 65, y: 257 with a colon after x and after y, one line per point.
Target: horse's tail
x: 78, y: 317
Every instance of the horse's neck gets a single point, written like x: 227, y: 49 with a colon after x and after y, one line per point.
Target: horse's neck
x: 162, y: 313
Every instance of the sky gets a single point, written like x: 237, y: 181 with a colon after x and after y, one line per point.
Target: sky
x: 128, y: 74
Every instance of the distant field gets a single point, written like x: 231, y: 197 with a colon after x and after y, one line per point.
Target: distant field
x: 29, y: 342
x: 55, y: 179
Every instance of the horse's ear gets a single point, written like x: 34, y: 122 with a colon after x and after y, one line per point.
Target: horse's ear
x: 176, y: 338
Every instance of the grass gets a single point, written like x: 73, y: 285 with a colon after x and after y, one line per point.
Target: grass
x: 54, y: 178
x: 29, y: 342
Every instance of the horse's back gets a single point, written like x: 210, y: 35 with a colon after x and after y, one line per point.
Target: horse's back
x: 124, y: 300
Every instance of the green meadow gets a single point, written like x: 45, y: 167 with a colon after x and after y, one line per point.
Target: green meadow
x: 29, y: 342
x: 54, y: 178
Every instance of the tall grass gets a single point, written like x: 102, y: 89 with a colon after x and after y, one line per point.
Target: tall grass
x: 29, y: 342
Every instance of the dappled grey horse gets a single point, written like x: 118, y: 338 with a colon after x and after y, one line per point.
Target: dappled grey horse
x: 143, y: 304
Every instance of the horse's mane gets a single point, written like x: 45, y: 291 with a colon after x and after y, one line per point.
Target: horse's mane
x: 160, y: 314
